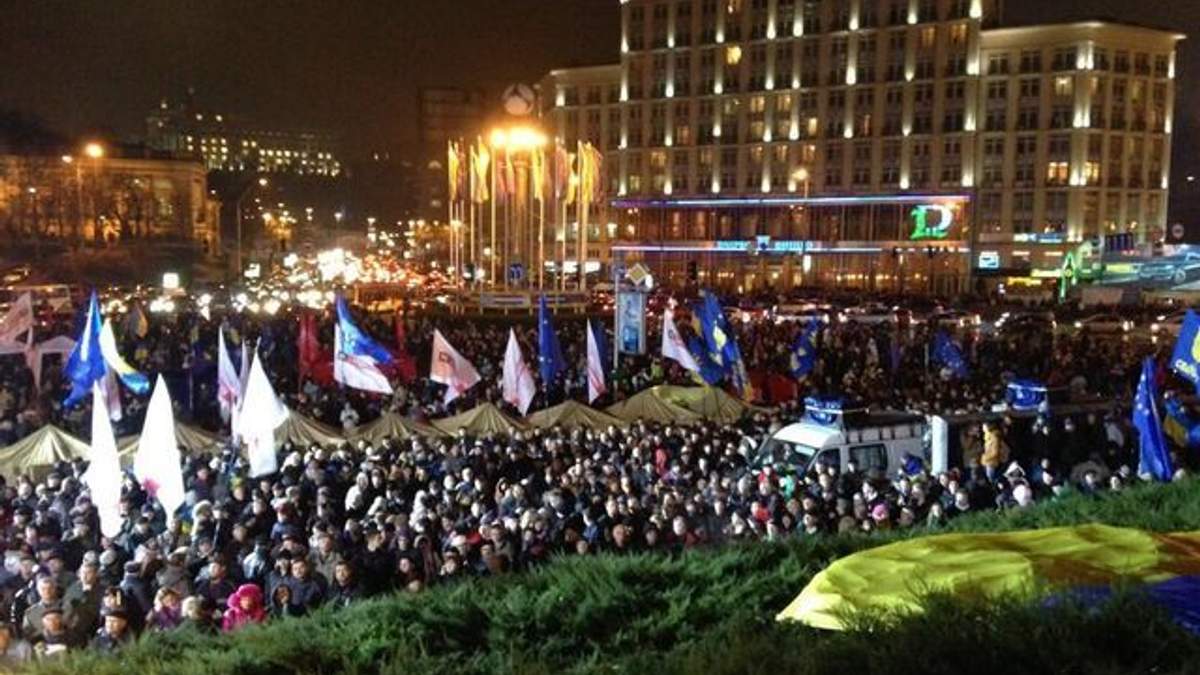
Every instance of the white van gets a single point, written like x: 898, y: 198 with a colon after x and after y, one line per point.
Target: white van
x: 829, y: 435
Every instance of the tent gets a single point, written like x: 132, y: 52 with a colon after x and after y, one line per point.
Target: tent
x: 191, y: 440
x: 712, y: 403
x: 38, y: 452
x: 481, y: 420
x: 391, y: 425
x: 648, y: 405
x: 304, y: 431
x: 572, y: 414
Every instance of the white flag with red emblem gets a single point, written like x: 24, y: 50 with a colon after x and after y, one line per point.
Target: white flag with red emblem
x: 450, y: 368
x: 517, y: 380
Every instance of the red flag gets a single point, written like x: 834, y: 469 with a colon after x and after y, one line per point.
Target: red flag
x: 310, y: 348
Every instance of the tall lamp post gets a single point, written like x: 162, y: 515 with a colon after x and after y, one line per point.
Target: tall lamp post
x: 246, y: 192
x: 95, y: 152
x: 514, y: 141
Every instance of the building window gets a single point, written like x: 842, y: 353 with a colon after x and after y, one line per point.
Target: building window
x: 1058, y: 173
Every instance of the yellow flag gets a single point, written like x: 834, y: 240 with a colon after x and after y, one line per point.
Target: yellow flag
x: 452, y: 169
x: 573, y: 180
x: 482, y: 160
x: 537, y: 166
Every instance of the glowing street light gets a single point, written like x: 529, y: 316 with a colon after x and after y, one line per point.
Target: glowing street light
x: 93, y: 150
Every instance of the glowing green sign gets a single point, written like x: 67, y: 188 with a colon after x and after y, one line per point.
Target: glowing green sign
x: 940, y: 227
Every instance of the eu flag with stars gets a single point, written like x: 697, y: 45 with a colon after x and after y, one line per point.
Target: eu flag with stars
x: 1185, y: 360
x: 948, y: 354
x: 1154, y: 458
x: 550, y: 358
x: 804, y: 350
x: 85, y: 365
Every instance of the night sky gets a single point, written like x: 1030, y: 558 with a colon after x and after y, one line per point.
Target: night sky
x: 354, y: 67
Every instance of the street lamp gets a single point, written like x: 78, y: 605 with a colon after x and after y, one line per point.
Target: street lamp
x: 513, y: 140
x: 93, y: 150
x: 262, y: 182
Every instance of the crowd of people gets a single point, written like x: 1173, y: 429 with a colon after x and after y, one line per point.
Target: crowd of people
x: 340, y: 523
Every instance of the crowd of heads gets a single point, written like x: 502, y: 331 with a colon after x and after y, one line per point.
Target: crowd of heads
x: 354, y: 520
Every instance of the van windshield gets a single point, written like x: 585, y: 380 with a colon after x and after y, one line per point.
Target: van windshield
x: 775, y: 451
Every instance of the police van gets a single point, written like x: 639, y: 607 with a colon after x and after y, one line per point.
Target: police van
x: 832, y: 432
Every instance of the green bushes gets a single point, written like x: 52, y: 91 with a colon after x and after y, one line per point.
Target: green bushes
x: 705, y: 612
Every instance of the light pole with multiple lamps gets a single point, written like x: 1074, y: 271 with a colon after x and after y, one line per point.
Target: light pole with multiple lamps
x: 246, y: 192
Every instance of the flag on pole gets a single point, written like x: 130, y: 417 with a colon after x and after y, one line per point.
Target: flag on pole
x: 452, y: 169
x: 137, y: 382
x: 480, y: 159
x: 804, y: 351
x: 112, y: 395
x: 550, y: 357
x: 85, y: 366
x: 448, y: 367
x: 537, y: 167
x: 103, y: 476
x: 309, y: 347
x: 137, y: 323
x: 949, y: 354
x: 17, y: 320
x: 1153, y: 457
x: 260, y: 414
x: 157, y: 464
x: 356, y: 357
x: 722, y: 346
x: 516, y: 381
x: 562, y: 171
x: 595, y: 364
x: 229, y: 385
x: 673, y: 346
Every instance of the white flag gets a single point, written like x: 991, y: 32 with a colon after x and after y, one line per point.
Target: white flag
x: 448, y: 367
x: 356, y: 370
x: 112, y: 395
x: 157, y: 464
x: 517, y: 381
x: 61, y: 345
x: 18, y: 319
x: 259, y: 415
x: 673, y: 346
x: 229, y: 385
x: 103, y: 476
x: 595, y: 366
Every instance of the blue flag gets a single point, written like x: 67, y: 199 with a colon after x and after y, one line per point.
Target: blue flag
x: 601, y: 344
x: 947, y: 353
x: 710, y: 372
x: 550, y: 358
x: 1179, y: 425
x: 85, y: 366
x: 1025, y: 394
x: 1154, y: 458
x: 722, y: 346
x: 1185, y: 360
x: 354, y: 341
x: 804, y: 350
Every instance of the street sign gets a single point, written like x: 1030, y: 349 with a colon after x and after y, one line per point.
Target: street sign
x: 516, y: 272
x: 637, y: 274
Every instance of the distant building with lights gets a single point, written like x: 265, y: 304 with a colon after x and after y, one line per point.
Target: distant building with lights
x: 225, y: 144
x: 114, y: 198
x: 890, y: 145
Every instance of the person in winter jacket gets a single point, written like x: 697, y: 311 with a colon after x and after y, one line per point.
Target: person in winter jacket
x: 245, y: 607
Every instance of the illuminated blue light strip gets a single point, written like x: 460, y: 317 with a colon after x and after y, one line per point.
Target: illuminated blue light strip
x: 699, y: 202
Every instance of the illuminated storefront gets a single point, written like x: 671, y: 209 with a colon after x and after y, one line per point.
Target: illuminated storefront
x: 886, y: 243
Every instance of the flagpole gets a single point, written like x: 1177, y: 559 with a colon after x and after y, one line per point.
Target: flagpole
x: 541, y: 238
x: 492, y: 199
x: 562, y: 269
x: 471, y: 216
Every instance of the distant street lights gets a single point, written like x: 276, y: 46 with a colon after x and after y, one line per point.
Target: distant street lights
x: 246, y: 192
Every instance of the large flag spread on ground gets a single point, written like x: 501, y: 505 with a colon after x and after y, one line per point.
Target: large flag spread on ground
x: 356, y: 357
x: 229, y: 385
x: 1179, y: 425
x: 1153, y: 457
x: 260, y: 414
x: 595, y: 362
x: 103, y: 477
x: 18, y: 320
x: 85, y: 365
x: 448, y: 367
x: 673, y: 346
x: 130, y: 377
x: 949, y: 355
x: 804, y: 350
x: 157, y: 464
x: 516, y: 381
x: 722, y: 346
x: 550, y: 357
x: 1185, y: 360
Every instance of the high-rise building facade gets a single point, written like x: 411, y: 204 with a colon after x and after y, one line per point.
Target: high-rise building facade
x: 443, y: 114
x: 187, y: 131
x: 880, y: 144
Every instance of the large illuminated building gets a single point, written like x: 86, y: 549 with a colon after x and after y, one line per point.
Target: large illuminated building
x: 904, y: 145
